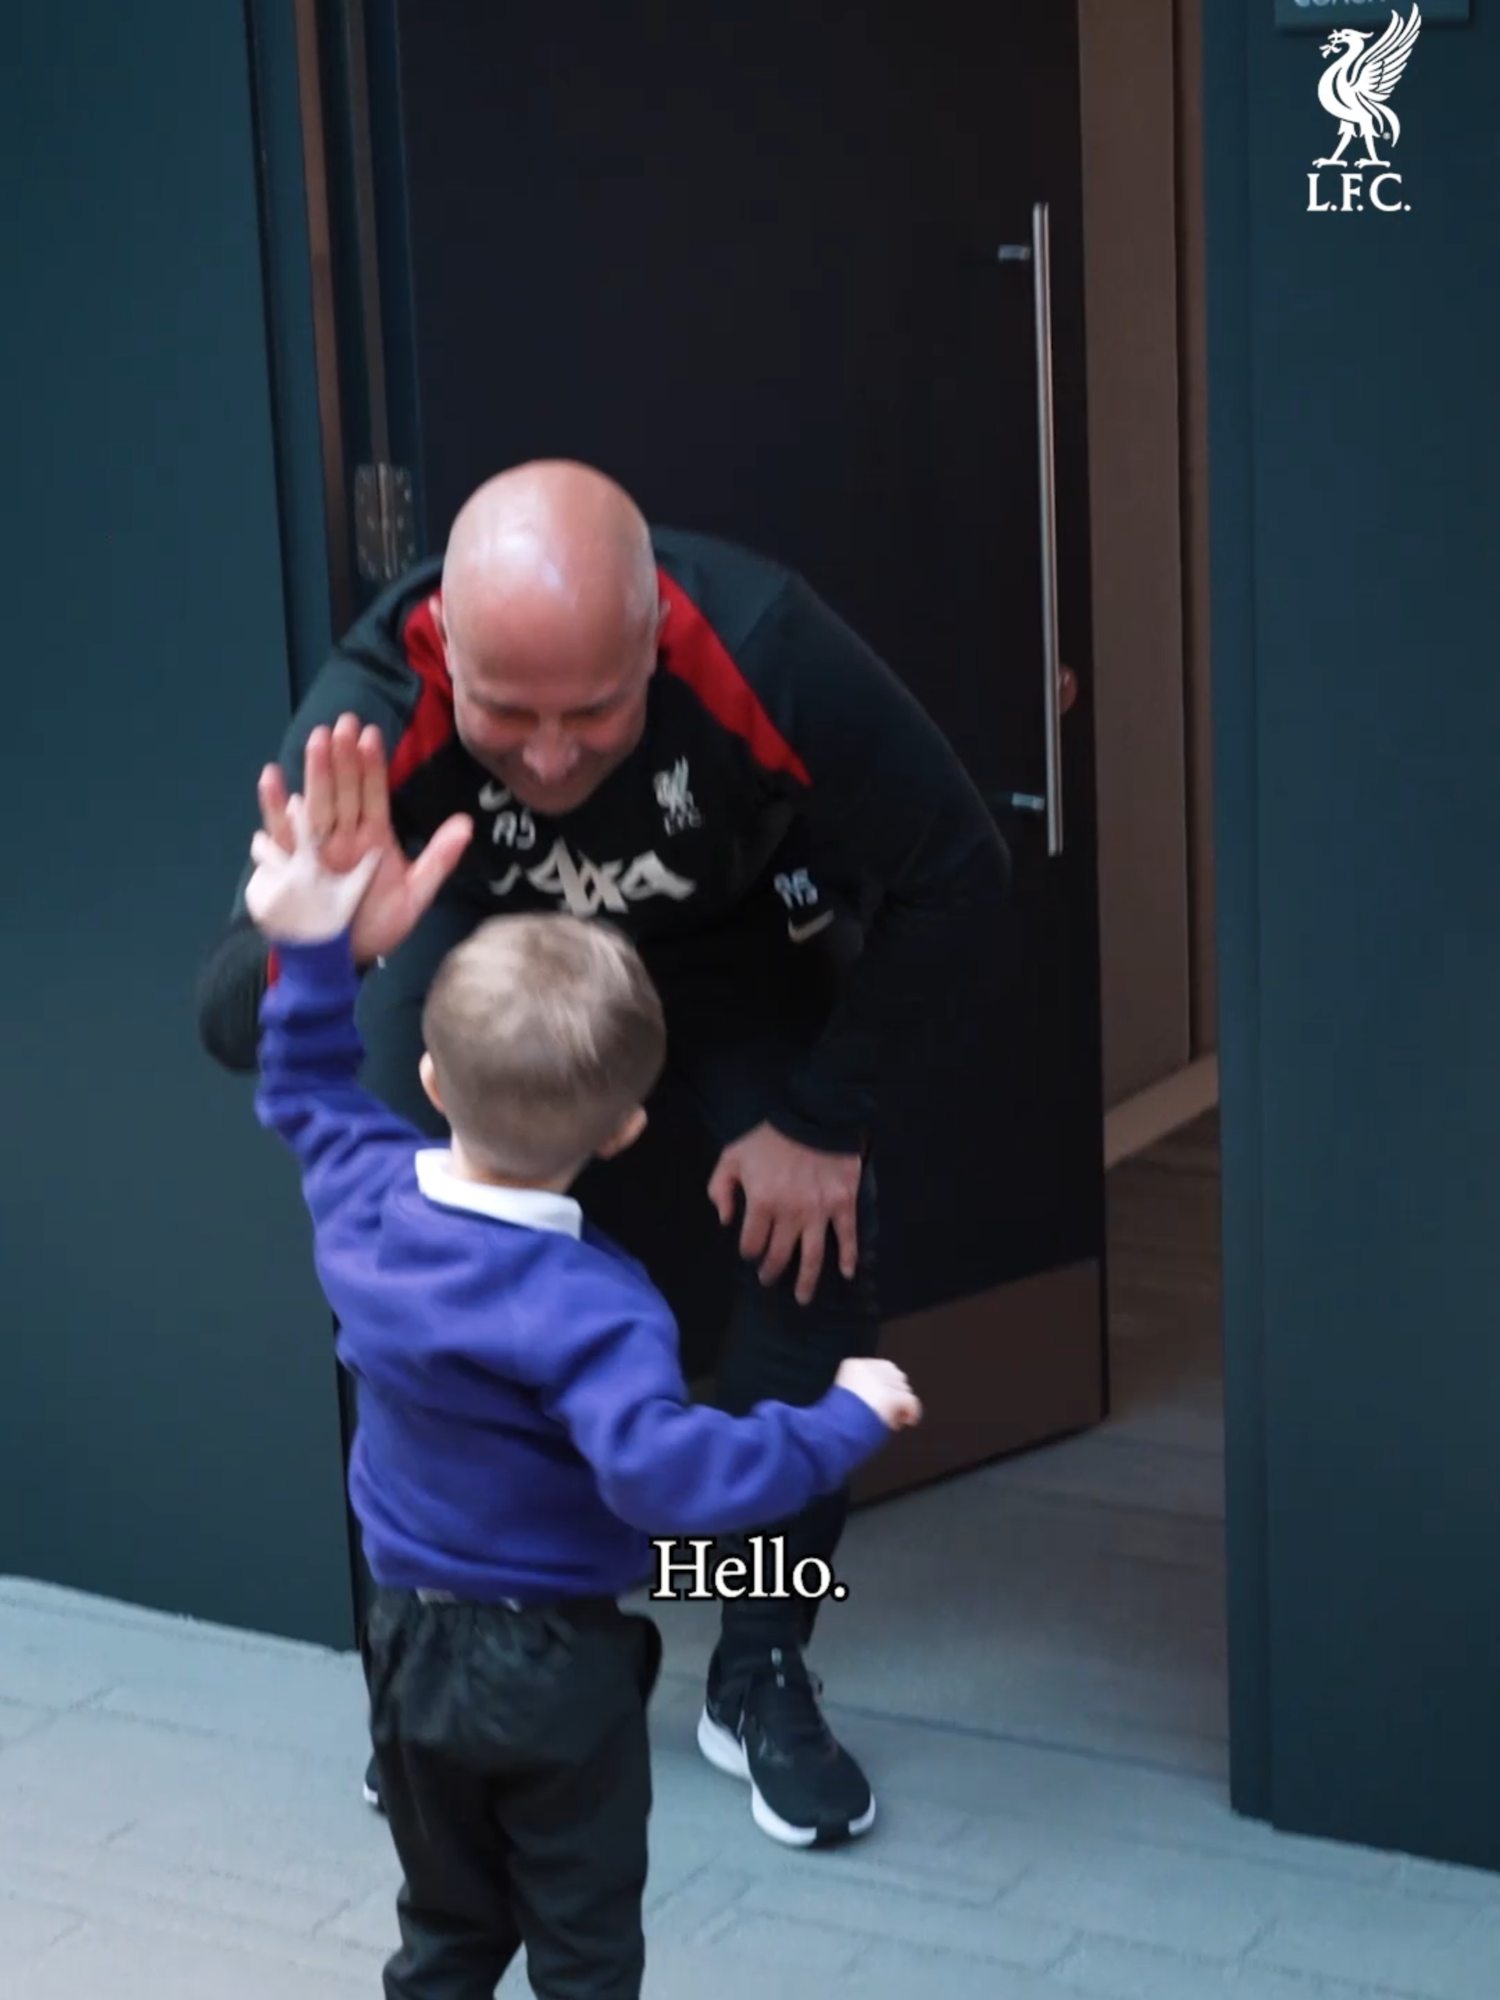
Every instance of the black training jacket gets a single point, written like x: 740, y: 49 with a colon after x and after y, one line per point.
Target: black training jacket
x: 778, y: 752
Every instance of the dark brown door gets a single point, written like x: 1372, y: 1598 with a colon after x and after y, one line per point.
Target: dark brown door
x: 747, y: 260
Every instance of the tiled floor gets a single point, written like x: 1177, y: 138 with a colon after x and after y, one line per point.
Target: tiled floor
x: 1031, y: 1662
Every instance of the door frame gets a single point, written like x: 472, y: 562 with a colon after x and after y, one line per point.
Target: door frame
x: 331, y: 383
x: 1172, y: 1068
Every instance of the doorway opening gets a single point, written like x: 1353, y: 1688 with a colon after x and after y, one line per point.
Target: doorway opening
x: 1010, y: 1316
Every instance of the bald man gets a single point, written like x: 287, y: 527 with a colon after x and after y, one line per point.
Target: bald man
x: 573, y: 711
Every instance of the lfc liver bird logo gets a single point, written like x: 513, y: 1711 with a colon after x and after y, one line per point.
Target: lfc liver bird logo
x: 1354, y: 87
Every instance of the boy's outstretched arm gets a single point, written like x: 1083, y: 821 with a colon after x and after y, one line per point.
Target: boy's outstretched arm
x: 670, y: 1467
x: 348, y: 1144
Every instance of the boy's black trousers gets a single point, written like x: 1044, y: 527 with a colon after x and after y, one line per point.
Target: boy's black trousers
x: 515, y: 1774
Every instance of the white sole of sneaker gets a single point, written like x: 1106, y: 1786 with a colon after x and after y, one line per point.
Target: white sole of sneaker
x: 371, y: 1797
x: 727, y: 1754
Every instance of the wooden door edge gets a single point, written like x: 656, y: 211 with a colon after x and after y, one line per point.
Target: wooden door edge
x: 1000, y: 1372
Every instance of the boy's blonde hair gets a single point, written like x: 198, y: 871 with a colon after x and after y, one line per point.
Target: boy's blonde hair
x: 545, y: 1033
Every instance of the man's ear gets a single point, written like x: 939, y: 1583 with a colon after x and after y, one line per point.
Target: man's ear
x: 439, y: 622
x: 627, y: 1135
x: 427, y: 1070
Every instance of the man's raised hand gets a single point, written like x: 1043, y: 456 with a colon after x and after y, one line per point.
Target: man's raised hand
x: 346, y: 791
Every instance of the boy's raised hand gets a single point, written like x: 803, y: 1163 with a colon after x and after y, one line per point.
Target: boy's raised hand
x: 294, y: 897
x: 347, y: 801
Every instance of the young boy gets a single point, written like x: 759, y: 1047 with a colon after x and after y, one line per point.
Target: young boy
x: 524, y: 1425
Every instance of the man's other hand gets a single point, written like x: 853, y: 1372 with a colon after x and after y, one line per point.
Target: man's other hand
x: 793, y: 1196
x: 348, y: 804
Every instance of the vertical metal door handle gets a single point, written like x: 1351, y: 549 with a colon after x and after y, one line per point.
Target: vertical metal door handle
x: 1046, y: 428
x: 1038, y: 253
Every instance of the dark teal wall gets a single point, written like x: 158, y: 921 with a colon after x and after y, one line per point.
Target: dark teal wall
x: 1355, y: 387
x: 169, y: 1424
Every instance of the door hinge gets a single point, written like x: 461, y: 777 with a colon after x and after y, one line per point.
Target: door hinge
x: 385, y: 522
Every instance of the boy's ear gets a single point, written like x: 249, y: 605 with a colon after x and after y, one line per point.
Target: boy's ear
x: 627, y: 1135
x: 427, y: 1070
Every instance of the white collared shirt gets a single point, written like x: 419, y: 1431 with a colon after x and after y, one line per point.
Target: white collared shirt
x: 528, y: 1208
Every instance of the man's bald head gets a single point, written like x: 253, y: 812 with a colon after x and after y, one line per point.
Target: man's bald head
x: 551, y: 615
x: 554, y: 541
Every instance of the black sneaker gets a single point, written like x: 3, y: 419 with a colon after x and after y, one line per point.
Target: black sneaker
x: 805, y: 1789
x: 372, y: 1787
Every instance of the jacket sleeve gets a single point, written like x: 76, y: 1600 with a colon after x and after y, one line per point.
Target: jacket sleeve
x: 669, y: 1467
x: 364, y: 676
x: 348, y: 1145
x: 889, y: 796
